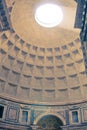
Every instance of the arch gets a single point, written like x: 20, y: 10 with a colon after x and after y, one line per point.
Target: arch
x: 50, y: 113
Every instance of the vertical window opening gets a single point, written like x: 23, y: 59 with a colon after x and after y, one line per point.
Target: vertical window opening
x: 24, y: 116
x: 75, y: 116
x: 1, y: 111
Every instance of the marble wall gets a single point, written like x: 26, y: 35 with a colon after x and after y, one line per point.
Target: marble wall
x: 27, y: 115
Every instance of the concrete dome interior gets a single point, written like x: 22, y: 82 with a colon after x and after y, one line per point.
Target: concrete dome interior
x: 37, y: 67
x: 41, y: 68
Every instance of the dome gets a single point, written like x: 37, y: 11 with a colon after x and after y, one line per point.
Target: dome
x: 42, y: 65
x: 43, y: 70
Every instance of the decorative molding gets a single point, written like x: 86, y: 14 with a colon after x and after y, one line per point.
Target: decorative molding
x: 12, y: 113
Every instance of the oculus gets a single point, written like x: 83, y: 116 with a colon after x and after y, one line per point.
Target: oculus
x: 49, y: 15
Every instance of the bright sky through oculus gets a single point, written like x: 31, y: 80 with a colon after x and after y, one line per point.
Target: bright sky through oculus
x: 49, y: 15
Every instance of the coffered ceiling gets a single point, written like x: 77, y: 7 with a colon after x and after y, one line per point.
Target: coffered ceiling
x: 41, y: 65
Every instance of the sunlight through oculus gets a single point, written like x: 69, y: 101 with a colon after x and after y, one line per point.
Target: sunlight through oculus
x: 49, y: 15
